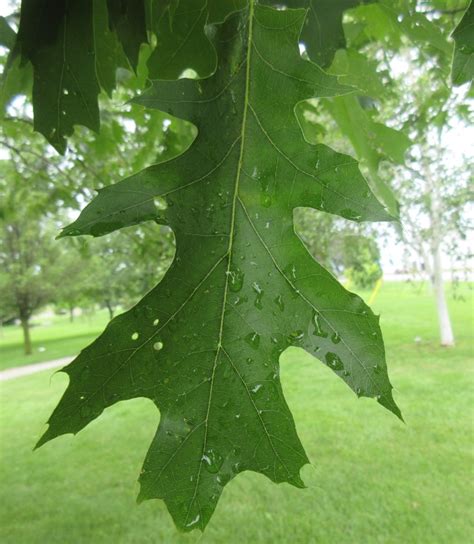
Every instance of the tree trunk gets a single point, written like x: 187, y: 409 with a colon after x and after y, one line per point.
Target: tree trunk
x: 436, y: 214
x: 445, y: 328
x: 25, y: 325
x: 71, y: 313
x: 110, y: 308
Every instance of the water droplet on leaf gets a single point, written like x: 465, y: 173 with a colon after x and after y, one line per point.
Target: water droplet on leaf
x: 253, y: 340
x: 318, y: 329
x: 279, y: 302
x: 334, y: 361
x: 212, y: 461
x: 236, y: 280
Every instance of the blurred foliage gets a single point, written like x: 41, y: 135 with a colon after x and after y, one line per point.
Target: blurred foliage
x: 378, y: 124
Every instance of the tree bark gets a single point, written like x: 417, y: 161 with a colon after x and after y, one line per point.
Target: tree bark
x: 110, y: 308
x: 436, y: 213
x: 25, y: 325
x: 445, y: 328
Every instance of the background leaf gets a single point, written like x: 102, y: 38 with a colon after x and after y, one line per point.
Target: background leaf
x: 60, y: 45
x: 463, y: 36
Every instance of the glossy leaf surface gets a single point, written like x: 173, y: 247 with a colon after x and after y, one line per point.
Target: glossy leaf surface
x: 204, y: 345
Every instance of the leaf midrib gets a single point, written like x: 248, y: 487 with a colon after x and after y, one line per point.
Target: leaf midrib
x: 230, y: 246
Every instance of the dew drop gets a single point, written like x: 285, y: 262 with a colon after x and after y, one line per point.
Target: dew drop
x: 258, y: 299
x: 223, y: 479
x: 160, y: 203
x: 318, y: 330
x: 256, y: 388
x: 236, y: 280
x: 279, y: 302
x: 351, y: 214
x: 212, y: 461
x: 194, y: 521
x: 253, y: 340
x: 157, y: 346
x: 334, y: 361
x: 295, y: 336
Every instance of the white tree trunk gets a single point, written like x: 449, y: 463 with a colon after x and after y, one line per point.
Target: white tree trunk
x: 445, y: 328
x: 436, y: 214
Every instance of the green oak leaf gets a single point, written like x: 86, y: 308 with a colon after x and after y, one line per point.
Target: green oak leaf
x: 108, y: 49
x: 357, y: 70
x: 372, y: 142
x: 181, y: 41
x: 75, y: 48
x: 463, y: 60
x: 204, y: 345
x: 322, y: 33
x: 128, y: 19
x: 60, y: 45
x: 181, y: 36
x: 419, y: 29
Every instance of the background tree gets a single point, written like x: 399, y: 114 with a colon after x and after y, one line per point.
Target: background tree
x: 28, y: 255
x: 433, y: 183
x: 397, y: 123
x: 72, y: 289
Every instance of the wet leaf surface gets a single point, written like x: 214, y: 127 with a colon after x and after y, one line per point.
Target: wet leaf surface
x: 204, y: 345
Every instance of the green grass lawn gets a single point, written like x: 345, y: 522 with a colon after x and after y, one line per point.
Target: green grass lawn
x: 375, y: 480
x: 52, y: 338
